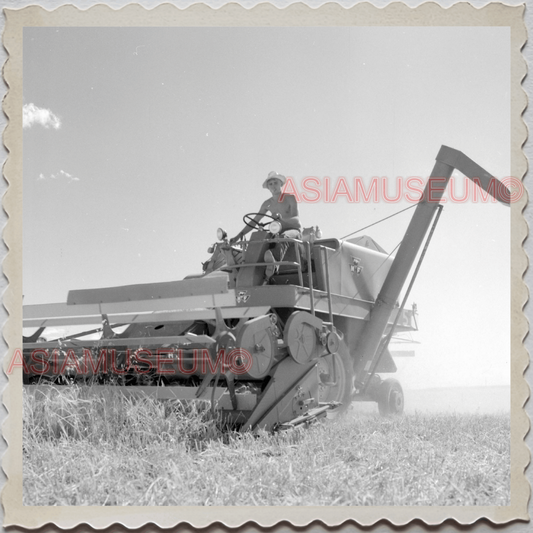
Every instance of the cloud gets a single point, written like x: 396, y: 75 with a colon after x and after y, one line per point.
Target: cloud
x: 31, y: 114
x: 59, y: 175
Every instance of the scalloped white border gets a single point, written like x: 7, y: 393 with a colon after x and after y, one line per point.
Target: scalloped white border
x: 264, y: 14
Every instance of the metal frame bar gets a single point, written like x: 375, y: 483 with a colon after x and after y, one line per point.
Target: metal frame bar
x: 161, y: 393
x: 387, y: 339
x: 324, y: 253
x: 188, y: 339
x: 299, y: 261
x: 172, y: 314
x: 310, y: 277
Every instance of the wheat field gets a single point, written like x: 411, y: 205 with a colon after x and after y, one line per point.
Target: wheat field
x: 80, y: 448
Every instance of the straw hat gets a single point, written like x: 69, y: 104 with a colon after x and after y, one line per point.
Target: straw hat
x: 274, y: 175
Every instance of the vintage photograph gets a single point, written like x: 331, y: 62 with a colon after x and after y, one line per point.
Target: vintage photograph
x: 266, y: 266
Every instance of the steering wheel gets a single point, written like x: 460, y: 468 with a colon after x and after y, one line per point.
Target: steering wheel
x: 251, y: 223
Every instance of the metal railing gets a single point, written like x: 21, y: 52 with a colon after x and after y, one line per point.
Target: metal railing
x: 297, y: 265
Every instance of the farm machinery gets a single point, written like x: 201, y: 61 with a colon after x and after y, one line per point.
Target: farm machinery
x: 268, y: 354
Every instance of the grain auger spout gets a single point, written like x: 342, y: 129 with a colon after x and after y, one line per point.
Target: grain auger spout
x: 373, y: 340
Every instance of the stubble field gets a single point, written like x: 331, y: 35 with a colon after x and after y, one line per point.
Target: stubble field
x: 80, y: 448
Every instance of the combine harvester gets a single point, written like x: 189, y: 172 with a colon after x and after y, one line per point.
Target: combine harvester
x: 268, y: 355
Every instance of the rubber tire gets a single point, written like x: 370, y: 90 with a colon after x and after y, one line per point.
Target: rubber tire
x: 391, y: 399
x: 343, y: 391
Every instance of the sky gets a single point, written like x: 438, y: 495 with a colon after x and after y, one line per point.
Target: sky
x: 140, y: 142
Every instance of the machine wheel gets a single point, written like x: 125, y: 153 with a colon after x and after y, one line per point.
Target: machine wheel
x: 335, y: 380
x: 390, y: 398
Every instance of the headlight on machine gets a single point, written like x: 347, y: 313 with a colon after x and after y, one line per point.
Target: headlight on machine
x: 221, y: 234
x: 275, y: 227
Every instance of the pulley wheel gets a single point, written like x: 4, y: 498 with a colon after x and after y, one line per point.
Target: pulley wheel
x: 256, y: 338
x: 301, y: 336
